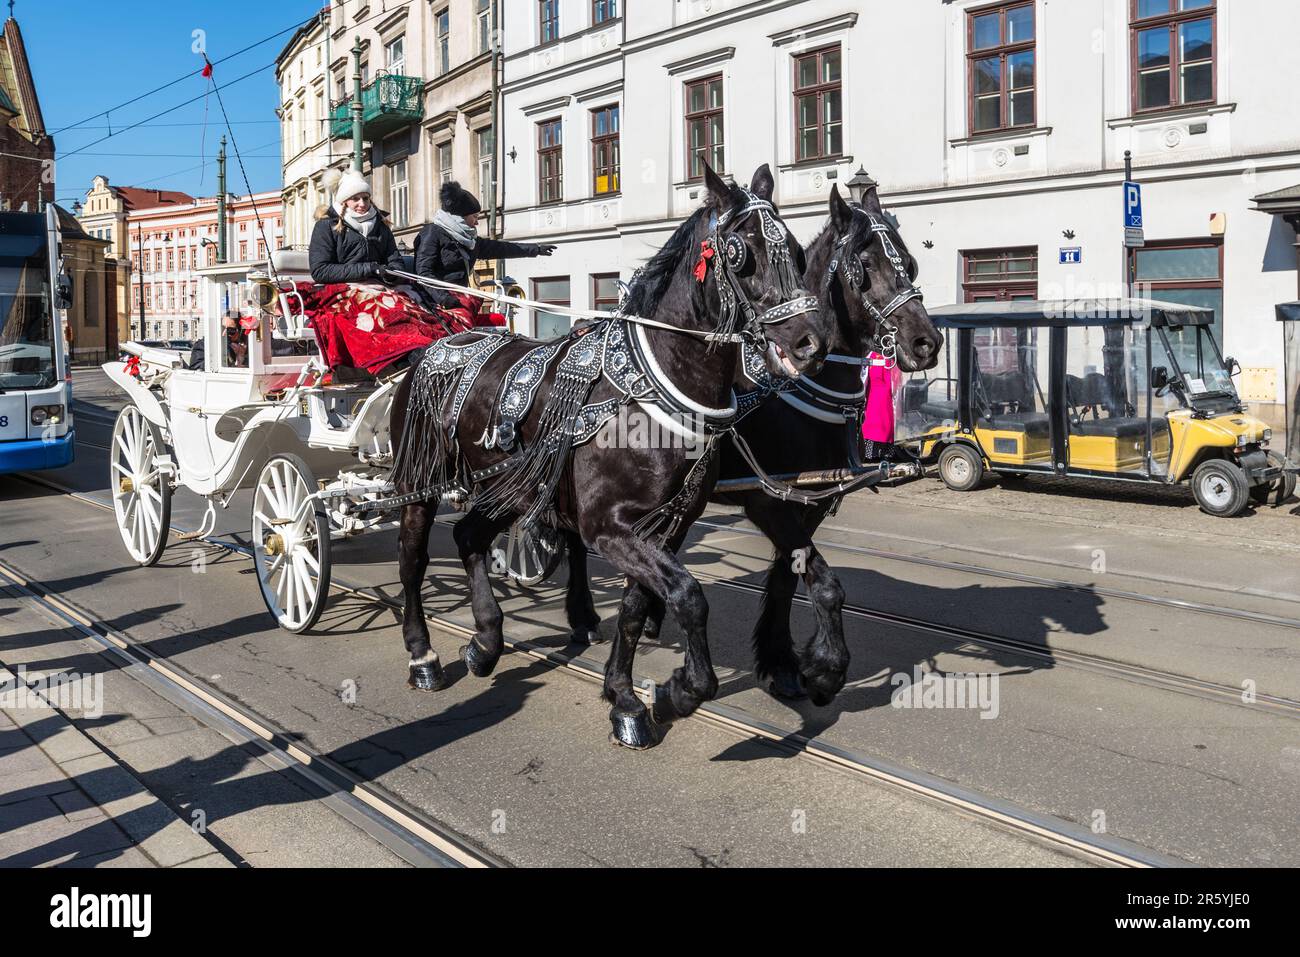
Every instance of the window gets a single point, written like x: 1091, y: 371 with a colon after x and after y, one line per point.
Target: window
x: 550, y: 157
x: 1000, y: 275
x: 548, y: 15
x: 602, y: 10
x: 442, y: 46
x: 604, y: 150
x: 605, y: 292
x: 1189, y: 272
x: 395, y: 55
x: 243, y: 250
x: 444, y: 163
x: 483, y: 143
x: 398, y: 194
x: 302, y: 124
x: 484, y: 23
x: 704, y: 126
x: 556, y: 292
x: 321, y: 117
x: 1000, y: 67
x: 819, y: 122
x: 1173, y: 53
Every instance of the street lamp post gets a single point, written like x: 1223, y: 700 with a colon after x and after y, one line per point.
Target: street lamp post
x: 859, y: 184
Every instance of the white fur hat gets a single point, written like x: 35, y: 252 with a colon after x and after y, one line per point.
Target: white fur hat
x: 351, y: 184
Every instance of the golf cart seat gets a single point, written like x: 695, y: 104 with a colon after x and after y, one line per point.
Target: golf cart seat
x: 1120, y: 427
x: 939, y: 410
x: 1030, y: 423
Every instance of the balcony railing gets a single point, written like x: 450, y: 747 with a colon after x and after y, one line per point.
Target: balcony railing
x: 388, y: 103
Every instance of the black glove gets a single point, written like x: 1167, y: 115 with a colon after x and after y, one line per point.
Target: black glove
x: 386, y: 275
x: 545, y: 249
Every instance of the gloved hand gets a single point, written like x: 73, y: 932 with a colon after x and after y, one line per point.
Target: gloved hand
x: 386, y: 275
x: 545, y: 249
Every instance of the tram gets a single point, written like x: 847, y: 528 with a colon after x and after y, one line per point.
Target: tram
x: 36, y: 428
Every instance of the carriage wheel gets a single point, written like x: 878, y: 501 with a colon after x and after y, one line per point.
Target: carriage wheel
x: 530, y: 557
x: 142, y: 495
x: 291, y: 543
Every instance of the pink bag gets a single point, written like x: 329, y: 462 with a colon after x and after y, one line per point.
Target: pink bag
x: 881, y: 381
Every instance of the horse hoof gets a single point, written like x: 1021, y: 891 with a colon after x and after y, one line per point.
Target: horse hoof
x: 479, y: 663
x: 633, y: 730
x: 585, y: 636
x: 427, y: 677
x: 662, y: 709
x: 787, y: 686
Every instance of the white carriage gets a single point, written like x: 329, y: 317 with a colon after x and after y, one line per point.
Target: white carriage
x: 313, y: 447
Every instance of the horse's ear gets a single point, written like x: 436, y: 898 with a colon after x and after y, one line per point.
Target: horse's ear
x: 841, y: 213
x: 762, y: 184
x: 719, y: 191
x: 871, y: 200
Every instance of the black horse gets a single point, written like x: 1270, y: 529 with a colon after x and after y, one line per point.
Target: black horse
x: 729, y: 274
x: 863, y: 276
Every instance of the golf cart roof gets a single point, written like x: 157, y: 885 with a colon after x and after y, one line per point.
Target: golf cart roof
x: 1069, y: 312
x: 1288, y: 311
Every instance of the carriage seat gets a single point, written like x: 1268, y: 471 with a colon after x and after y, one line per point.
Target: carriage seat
x: 1119, y: 427
x: 289, y: 263
x: 939, y: 410
x: 1034, y: 424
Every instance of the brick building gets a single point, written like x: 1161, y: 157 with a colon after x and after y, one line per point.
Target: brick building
x: 26, y: 149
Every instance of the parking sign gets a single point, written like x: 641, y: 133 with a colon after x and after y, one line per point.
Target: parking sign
x: 1132, y: 205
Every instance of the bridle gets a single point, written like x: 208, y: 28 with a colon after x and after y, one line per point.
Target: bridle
x: 852, y: 271
x: 730, y: 255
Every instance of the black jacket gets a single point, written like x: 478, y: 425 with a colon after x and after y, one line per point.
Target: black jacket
x: 348, y: 256
x: 440, y: 256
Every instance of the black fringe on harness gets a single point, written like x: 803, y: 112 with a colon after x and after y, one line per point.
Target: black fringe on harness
x: 428, y: 458
x: 541, y: 465
x: 662, y: 525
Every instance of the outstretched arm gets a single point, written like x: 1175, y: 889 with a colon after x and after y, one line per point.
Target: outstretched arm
x: 499, y: 249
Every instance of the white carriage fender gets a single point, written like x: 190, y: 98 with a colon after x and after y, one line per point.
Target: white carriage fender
x: 144, y: 400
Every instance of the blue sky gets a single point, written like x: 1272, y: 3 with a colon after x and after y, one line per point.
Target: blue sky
x: 88, y: 56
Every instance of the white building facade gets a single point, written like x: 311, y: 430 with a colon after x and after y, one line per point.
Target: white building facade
x: 996, y: 131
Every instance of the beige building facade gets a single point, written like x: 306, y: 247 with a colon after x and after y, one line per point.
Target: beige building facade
x: 426, y: 69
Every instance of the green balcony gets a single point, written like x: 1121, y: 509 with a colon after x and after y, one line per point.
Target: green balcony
x: 387, y: 104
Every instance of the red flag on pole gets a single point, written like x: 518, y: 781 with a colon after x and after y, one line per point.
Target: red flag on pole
x: 207, y: 69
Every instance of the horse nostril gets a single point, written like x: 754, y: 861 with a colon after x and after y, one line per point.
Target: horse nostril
x: 922, y: 347
x: 807, y: 347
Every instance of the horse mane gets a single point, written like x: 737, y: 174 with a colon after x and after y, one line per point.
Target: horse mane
x: 651, y: 282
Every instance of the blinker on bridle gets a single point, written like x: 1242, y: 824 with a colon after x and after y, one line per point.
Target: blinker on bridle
x: 850, y: 267
x: 735, y: 256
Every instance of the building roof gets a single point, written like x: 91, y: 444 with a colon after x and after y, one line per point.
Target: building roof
x: 70, y: 227
x: 17, y: 84
x: 135, y: 197
x: 307, y: 28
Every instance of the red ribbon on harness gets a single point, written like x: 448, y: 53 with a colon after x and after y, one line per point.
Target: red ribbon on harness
x: 702, y: 265
x: 133, y: 366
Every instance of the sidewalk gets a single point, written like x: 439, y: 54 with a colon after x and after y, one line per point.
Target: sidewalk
x: 66, y: 803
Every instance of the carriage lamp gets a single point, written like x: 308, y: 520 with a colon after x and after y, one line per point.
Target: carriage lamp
x: 43, y: 414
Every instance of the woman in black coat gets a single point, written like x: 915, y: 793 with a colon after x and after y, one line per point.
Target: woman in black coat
x: 352, y: 241
x: 448, y: 247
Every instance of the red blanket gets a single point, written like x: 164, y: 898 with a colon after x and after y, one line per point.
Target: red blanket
x: 370, y: 326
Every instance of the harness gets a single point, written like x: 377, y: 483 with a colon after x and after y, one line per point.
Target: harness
x: 851, y: 271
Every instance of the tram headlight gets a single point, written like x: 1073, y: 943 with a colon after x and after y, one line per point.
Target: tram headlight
x: 47, y: 414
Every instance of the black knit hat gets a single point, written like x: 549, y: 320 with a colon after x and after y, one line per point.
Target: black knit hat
x: 457, y: 201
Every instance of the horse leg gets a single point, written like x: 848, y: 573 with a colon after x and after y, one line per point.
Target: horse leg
x: 412, y: 562
x: 825, y: 661
x: 659, y: 571
x: 474, y: 534
x: 629, y: 717
x: 578, y: 603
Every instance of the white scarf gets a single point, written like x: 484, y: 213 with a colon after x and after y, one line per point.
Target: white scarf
x: 457, y: 228
x: 362, y: 224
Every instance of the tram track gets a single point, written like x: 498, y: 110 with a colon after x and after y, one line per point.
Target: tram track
x: 409, y: 833
x: 1074, y: 839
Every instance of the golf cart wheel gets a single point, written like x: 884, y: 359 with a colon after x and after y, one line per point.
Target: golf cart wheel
x: 961, y: 468
x: 291, y: 543
x: 1285, y: 484
x: 142, y: 494
x: 1220, y: 487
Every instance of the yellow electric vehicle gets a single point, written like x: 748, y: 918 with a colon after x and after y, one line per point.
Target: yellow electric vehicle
x: 1131, y: 389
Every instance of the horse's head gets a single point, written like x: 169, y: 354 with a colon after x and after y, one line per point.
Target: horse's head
x: 872, y: 274
x: 757, y: 269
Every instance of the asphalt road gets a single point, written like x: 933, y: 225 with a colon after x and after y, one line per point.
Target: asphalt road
x: 1111, y: 713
